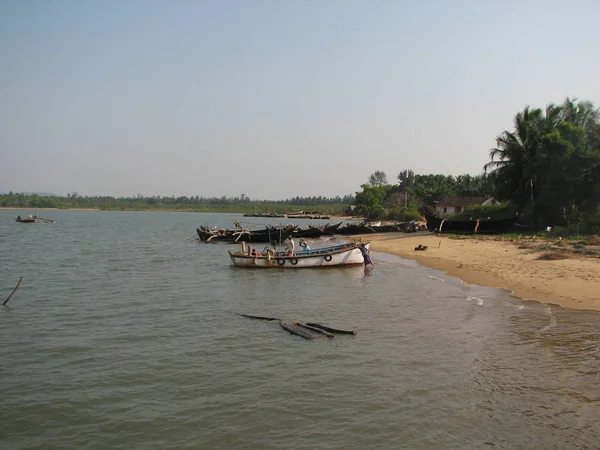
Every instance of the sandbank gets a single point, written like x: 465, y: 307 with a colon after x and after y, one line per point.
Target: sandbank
x: 573, y: 282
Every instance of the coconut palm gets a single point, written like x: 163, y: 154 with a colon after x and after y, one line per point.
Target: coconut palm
x: 513, y: 160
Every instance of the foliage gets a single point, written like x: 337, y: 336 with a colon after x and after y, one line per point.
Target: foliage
x: 378, y: 178
x: 243, y: 204
x: 549, y: 165
x: 369, y: 202
x: 496, y: 211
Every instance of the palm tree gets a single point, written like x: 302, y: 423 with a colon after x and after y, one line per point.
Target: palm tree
x: 513, y: 160
x: 406, y: 180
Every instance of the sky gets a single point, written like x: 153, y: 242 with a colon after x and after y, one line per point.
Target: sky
x: 274, y: 99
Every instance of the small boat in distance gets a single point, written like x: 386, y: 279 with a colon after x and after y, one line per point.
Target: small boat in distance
x: 30, y: 219
x: 337, y: 255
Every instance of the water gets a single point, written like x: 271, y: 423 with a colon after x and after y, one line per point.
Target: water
x: 124, y: 335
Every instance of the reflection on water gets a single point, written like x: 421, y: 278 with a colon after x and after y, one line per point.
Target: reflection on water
x: 125, y: 334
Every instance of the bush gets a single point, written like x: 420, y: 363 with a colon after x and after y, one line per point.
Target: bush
x: 403, y: 214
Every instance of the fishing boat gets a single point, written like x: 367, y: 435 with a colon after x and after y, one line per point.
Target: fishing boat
x: 483, y: 226
x: 337, y: 255
x: 30, y: 219
x: 265, y: 235
x: 350, y: 229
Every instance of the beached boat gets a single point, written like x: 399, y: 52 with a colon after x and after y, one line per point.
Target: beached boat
x: 338, y: 255
x: 370, y: 228
x: 483, y: 226
x: 267, y: 235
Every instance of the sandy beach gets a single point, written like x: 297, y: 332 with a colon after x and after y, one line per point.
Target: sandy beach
x: 573, y: 282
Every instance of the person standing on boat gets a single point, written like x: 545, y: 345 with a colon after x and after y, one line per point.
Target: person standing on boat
x: 304, y: 245
x: 366, y: 255
x: 291, y: 246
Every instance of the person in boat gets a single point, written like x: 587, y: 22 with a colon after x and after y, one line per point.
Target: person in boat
x: 304, y: 244
x: 366, y: 255
x: 19, y: 218
x: 291, y: 246
x: 256, y: 254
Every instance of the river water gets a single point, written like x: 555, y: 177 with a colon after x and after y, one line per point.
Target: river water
x: 125, y: 335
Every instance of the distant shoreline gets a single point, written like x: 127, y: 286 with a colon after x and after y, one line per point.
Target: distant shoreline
x: 16, y: 208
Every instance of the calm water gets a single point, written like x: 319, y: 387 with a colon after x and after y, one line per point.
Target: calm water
x: 124, y: 335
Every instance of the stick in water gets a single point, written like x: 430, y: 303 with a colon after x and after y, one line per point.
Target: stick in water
x: 259, y: 317
x: 296, y: 331
x: 315, y: 329
x: 329, y: 329
x: 14, y: 290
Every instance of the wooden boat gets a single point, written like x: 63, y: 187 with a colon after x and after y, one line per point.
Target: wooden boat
x: 310, y: 233
x: 30, y: 219
x: 366, y: 229
x: 338, y: 255
x: 316, y: 232
x: 483, y: 226
x: 330, y: 230
x: 265, y: 235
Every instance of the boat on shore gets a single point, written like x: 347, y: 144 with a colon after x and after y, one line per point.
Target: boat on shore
x: 267, y: 235
x: 480, y: 226
x: 350, y: 229
x: 337, y: 255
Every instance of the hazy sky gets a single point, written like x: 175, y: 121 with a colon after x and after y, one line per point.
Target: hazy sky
x: 274, y: 98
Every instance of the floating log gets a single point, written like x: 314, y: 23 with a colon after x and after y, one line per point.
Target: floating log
x: 294, y: 330
x: 14, y: 290
x: 331, y: 330
x: 259, y: 317
x: 316, y: 330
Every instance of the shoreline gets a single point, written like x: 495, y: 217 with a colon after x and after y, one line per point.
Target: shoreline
x: 18, y: 208
x: 573, y: 282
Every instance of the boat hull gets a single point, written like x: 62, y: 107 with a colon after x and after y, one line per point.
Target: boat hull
x: 341, y: 255
x: 490, y: 226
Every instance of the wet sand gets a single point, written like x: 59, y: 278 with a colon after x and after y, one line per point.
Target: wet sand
x: 573, y: 282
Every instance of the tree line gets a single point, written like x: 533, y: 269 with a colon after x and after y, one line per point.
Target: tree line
x: 193, y: 203
x: 546, y: 169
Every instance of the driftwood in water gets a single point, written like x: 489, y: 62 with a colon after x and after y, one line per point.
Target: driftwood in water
x: 14, y: 290
x: 294, y: 330
x: 315, y: 329
x: 259, y: 317
x: 331, y: 330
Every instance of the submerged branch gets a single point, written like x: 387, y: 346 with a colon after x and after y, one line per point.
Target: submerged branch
x: 12, y: 293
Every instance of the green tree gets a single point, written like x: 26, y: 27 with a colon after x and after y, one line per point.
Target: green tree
x: 369, y: 202
x: 378, y: 178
